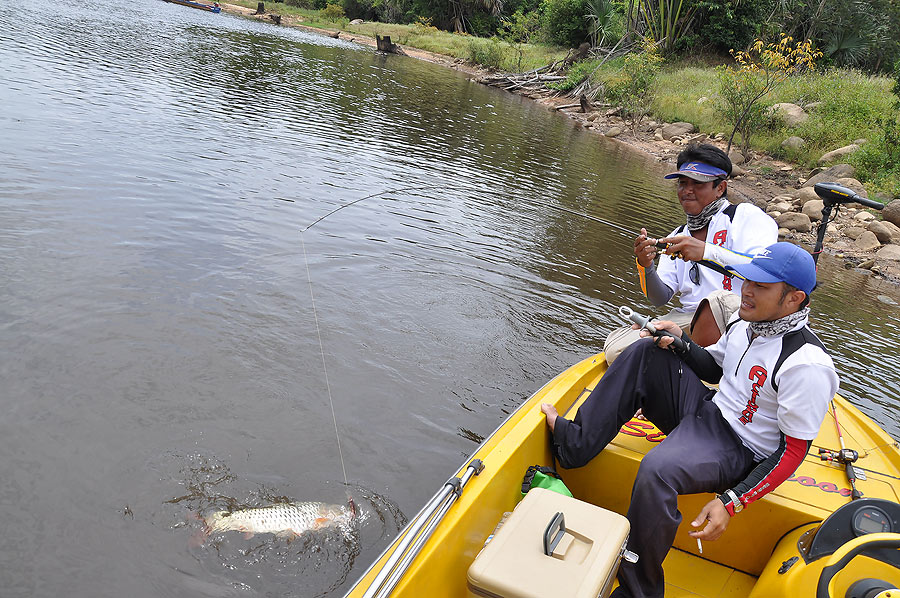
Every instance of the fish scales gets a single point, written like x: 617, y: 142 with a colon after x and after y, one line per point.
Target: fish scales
x: 280, y: 519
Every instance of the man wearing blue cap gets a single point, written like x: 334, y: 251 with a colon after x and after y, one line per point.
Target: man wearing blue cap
x: 717, y: 234
x: 741, y: 441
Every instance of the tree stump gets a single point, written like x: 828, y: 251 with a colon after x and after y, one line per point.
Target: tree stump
x: 260, y: 8
x: 586, y: 105
x: 384, y: 44
x: 276, y: 19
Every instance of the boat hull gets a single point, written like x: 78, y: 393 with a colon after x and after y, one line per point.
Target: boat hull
x: 735, y: 565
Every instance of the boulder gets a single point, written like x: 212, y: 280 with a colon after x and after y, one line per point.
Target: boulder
x: 854, y: 185
x: 813, y: 208
x: 867, y: 242
x: 737, y: 170
x: 736, y: 157
x: 780, y: 206
x: 614, y: 132
x: 783, y: 232
x: 793, y: 143
x: 807, y: 194
x: 854, y: 232
x: 891, y: 212
x: 881, y: 230
x: 838, y: 153
x: 356, y: 22
x: 675, y: 129
x: 894, y: 229
x: 831, y: 174
x: 888, y: 252
x: 795, y: 221
x: 864, y: 217
x: 792, y: 114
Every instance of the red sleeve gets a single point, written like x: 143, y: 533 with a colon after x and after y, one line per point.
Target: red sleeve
x: 769, y: 474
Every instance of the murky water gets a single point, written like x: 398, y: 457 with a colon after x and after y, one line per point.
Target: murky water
x: 160, y: 347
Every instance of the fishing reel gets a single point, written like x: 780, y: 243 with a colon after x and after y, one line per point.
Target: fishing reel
x: 843, y: 456
x: 644, y: 322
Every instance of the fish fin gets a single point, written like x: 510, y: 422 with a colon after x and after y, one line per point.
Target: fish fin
x: 199, y: 536
x: 288, y: 534
x: 321, y: 522
x: 353, y: 511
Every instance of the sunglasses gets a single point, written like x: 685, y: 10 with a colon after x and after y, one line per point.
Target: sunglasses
x: 694, y: 273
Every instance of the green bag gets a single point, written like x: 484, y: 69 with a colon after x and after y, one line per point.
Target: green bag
x: 538, y: 476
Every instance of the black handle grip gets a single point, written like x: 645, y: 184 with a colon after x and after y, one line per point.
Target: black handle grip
x: 832, y: 193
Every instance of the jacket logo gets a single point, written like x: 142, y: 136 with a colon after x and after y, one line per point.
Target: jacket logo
x: 720, y: 237
x: 758, y: 375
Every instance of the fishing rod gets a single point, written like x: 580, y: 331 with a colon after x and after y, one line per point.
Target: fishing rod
x: 845, y: 456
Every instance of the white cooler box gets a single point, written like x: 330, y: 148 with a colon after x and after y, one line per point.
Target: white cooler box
x: 583, y: 559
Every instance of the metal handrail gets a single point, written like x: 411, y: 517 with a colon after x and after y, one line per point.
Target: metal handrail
x: 411, y: 544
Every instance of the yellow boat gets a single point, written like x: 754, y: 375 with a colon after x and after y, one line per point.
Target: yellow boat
x: 806, y: 538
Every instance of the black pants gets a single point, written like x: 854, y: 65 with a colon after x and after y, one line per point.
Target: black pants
x: 701, y: 453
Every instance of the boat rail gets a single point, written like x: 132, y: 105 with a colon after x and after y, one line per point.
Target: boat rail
x: 419, y: 532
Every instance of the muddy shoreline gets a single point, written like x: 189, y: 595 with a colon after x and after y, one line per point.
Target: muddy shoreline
x: 773, y: 185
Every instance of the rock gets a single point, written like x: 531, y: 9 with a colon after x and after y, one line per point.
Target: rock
x: 829, y: 175
x: 894, y: 229
x: 866, y: 264
x: 886, y: 299
x: 675, y: 129
x: 831, y: 228
x: 811, y: 106
x: 356, y: 22
x: 783, y: 198
x: 593, y: 116
x: 838, y: 153
x: 780, y: 206
x: 813, y: 208
x: 793, y: 143
x: 807, y: 194
x: 737, y: 170
x: 861, y: 141
x: 888, y: 252
x: 881, y: 231
x: 867, y: 242
x: 658, y: 135
x: 614, y: 132
x: 795, y: 221
x: 864, y: 217
x: 891, y: 212
x: 783, y: 232
x: 854, y: 232
x: 774, y: 213
x: 792, y: 114
x: 854, y: 185
x: 736, y: 157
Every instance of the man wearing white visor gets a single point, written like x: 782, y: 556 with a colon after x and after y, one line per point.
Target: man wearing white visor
x: 717, y: 234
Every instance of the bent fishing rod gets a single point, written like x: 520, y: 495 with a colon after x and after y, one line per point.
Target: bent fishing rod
x: 625, y: 231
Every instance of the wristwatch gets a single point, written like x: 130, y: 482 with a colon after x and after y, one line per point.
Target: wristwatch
x: 730, y: 498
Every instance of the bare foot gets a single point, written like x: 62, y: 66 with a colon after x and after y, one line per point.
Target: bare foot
x: 551, y: 413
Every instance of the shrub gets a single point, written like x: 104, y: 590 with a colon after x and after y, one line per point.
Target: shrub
x: 333, y: 13
x: 489, y: 53
x: 578, y: 73
x: 564, y: 22
x: 307, y: 4
x: 632, y: 90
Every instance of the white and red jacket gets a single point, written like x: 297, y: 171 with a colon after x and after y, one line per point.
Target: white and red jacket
x: 774, y: 392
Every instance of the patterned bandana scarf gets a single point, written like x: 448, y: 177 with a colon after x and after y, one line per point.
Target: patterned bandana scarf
x: 779, y: 326
x: 702, y: 219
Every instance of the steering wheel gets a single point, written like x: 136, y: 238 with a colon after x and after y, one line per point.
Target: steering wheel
x: 847, y: 552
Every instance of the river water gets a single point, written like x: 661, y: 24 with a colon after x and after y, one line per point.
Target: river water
x: 163, y: 317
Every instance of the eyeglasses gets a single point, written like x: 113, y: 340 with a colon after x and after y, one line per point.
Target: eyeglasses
x: 694, y: 273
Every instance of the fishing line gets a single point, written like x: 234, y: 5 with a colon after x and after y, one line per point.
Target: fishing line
x: 312, y: 298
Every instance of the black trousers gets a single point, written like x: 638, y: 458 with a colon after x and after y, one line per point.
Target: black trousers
x: 701, y: 453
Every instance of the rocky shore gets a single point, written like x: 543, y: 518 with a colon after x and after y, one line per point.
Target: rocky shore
x: 863, y: 238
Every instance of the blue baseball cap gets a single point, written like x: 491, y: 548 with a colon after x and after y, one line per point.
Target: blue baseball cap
x: 781, y: 262
x: 698, y: 171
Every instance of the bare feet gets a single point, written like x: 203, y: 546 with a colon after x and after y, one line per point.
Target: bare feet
x: 551, y: 413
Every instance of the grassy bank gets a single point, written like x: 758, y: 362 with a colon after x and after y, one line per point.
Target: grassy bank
x: 851, y: 104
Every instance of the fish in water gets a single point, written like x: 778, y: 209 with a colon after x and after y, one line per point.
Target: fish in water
x: 285, y: 520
